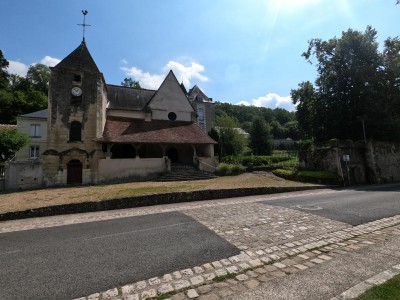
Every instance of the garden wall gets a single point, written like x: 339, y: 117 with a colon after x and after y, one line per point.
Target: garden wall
x: 356, y: 162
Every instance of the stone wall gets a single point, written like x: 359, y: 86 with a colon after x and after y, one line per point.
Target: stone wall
x: 23, y: 175
x: 356, y: 162
x: 121, y: 169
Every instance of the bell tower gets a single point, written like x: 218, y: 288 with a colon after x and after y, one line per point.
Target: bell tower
x: 76, y: 118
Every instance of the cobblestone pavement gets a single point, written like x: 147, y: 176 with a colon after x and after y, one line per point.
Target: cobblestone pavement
x: 274, y: 242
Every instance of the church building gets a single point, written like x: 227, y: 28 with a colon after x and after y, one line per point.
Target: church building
x: 98, y: 132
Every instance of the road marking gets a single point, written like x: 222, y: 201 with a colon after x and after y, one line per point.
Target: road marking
x: 140, y: 230
x: 10, y: 252
x: 307, y: 207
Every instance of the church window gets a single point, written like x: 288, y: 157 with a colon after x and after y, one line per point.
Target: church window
x: 77, y: 78
x: 172, y: 116
x: 75, y: 131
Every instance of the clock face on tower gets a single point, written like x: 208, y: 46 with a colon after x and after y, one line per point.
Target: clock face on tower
x: 76, y: 91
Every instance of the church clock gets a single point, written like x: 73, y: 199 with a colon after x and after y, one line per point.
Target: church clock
x: 76, y: 91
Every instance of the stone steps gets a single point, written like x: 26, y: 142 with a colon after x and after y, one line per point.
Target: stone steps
x: 185, y: 173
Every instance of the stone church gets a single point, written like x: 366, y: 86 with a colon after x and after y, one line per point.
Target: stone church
x: 98, y: 132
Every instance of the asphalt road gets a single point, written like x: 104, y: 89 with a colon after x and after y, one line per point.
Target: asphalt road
x: 77, y: 260
x: 352, y: 206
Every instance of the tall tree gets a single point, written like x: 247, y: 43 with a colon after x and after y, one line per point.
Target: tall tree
x: 260, y: 137
x: 350, y: 87
x: 231, y: 142
x: 129, y: 82
x: 39, y: 76
x: 3, y: 71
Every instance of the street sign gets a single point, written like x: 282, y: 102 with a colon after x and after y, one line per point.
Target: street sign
x: 346, y: 157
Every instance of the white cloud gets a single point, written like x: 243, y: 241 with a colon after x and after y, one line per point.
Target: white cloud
x: 271, y: 100
x: 153, y: 81
x: 50, y: 61
x: 18, y: 68
x: 146, y: 80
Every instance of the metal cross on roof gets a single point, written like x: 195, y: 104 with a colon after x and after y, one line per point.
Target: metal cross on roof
x: 84, y: 25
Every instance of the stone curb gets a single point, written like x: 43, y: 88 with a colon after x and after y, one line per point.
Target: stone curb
x: 364, y: 286
x: 149, y: 200
x: 249, y: 269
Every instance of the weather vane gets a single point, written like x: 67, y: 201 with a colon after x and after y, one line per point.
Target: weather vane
x: 84, y: 25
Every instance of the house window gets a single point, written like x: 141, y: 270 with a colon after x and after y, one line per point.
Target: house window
x: 201, y: 117
x: 35, y: 130
x: 34, y: 152
x: 75, y: 131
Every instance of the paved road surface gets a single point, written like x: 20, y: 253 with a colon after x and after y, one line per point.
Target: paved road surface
x: 75, y: 260
x: 352, y: 206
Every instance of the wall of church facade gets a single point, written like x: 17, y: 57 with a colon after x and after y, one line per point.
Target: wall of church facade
x: 120, y: 169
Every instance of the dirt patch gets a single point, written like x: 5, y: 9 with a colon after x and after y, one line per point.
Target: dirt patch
x: 19, y: 201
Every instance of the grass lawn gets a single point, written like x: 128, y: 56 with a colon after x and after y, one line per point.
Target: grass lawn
x: 23, y: 200
x: 390, y: 290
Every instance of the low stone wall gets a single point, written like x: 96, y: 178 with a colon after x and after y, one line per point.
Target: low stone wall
x: 122, y: 169
x: 148, y: 200
x: 23, y: 175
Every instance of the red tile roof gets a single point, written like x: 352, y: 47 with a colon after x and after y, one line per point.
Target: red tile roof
x: 126, y: 130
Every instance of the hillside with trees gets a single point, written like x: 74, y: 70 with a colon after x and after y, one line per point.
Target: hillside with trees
x: 283, y: 123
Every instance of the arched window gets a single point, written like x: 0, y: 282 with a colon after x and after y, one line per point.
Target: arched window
x: 75, y: 131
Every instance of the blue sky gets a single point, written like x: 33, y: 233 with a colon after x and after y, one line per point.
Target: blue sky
x: 246, y: 52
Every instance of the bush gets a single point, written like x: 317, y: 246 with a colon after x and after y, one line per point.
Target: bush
x: 309, y: 176
x: 230, y: 169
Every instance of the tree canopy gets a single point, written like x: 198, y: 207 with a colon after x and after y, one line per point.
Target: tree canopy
x: 129, y: 82
x: 260, y: 137
x: 21, y: 95
x: 10, y: 142
x: 230, y: 141
x: 355, y: 84
x: 282, y: 122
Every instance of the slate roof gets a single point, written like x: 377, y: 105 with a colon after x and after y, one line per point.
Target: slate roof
x: 121, y: 97
x: 79, y: 59
x: 126, y: 130
x: 41, y: 114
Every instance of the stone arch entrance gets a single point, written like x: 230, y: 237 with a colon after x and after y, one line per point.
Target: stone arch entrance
x: 173, y: 155
x: 74, y: 172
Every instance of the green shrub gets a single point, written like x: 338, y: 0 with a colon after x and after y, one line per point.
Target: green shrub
x: 227, y: 169
x: 237, y: 169
x: 223, y: 169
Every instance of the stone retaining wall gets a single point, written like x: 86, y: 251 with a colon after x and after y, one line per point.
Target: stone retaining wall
x: 148, y: 200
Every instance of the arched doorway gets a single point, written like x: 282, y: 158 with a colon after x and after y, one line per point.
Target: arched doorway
x: 74, y: 172
x: 173, y: 155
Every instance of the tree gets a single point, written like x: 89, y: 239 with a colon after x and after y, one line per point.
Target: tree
x: 3, y: 71
x: 352, y: 84
x: 231, y: 142
x: 39, y: 76
x: 129, y: 82
x: 260, y: 137
x: 10, y: 142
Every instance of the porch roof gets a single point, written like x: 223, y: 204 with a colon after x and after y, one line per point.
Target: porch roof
x: 126, y: 130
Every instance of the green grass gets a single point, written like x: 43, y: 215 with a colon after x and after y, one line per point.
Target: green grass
x: 390, y: 290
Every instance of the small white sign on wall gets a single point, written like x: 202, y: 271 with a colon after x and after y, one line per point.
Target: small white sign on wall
x: 346, y: 157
